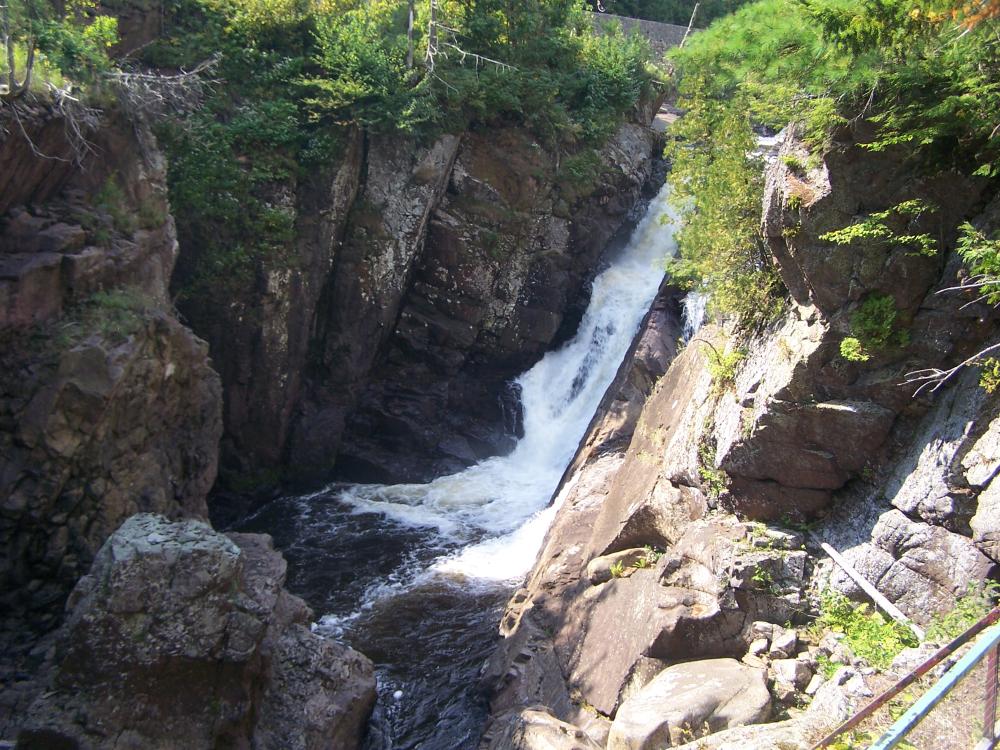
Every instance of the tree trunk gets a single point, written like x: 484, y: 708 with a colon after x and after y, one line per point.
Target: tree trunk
x: 8, y: 45
x: 29, y: 66
x: 432, y: 36
x: 409, y: 39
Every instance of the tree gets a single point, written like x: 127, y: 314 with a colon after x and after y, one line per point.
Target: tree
x: 43, y: 43
x: 8, y: 19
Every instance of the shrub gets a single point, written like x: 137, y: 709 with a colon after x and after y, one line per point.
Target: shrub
x: 981, y: 256
x: 927, y: 83
x: 989, y: 374
x: 873, y: 328
x: 880, y: 227
x: 794, y: 163
x: 722, y: 366
x: 868, y: 633
x: 852, y: 350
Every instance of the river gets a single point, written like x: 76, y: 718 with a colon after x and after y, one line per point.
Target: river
x: 415, y: 576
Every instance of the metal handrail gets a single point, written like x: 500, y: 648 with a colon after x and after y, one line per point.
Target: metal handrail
x: 986, y: 645
x: 913, y: 676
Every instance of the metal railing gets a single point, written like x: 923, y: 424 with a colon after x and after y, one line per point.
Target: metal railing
x: 985, y: 647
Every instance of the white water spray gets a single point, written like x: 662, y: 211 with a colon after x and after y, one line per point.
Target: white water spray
x: 497, y: 508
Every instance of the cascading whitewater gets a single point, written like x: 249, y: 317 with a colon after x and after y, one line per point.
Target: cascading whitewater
x: 499, y: 498
x: 416, y: 575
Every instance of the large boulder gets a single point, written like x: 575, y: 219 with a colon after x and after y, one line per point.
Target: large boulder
x: 535, y: 729
x: 833, y: 703
x: 689, y: 700
x: 182, y: 637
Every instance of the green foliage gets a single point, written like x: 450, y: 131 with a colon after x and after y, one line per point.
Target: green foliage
x: 653, y: 554
x: 764, y: 579
x: 981, y: 256
x: 869, y: 634
x: 722, y: 366
x: 873, y: 329
x: 70, y: 40
x: 970, y: 608
x: 362, y: 58
x: 928, y: 84
x: 298, y: 75
x: 673, y: 11
x: 794, y: 163
x: 715, y: 480
x: 827, y: 667
x: 861, y: 739
x: 717, y: 186
x: 229, y: 220
x: 853, y: 350
x: 581, y: 170
x: 111, y: 200
x: 114, y: 315
x: 617, y: 569
x: 880, y: 227
x: 989, y: 374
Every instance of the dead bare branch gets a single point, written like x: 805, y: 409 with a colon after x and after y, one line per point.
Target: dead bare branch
x: 440, y: 38
x: 934, y: 378
x: 150, y: 94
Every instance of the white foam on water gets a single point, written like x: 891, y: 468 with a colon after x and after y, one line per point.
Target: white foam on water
x: 505, y: 498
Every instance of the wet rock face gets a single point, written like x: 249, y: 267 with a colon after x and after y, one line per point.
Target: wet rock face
x: 182, y: 637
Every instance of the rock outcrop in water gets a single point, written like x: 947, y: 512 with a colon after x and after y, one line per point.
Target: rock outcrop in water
x: 182, y: 637
x: 711, y: 475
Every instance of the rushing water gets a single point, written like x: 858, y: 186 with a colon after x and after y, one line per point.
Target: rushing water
x: 416, y: 575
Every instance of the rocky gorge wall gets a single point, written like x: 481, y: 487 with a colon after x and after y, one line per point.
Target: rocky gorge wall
x: 689, y: 524
x: 422, y: 278
x: 110, y: 405
x: 109, y: 408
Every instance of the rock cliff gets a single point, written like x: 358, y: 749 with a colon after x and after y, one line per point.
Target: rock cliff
x: 110, y: 405
x: 110, y: 408
x: 423, y: 277
x: 680, y: 538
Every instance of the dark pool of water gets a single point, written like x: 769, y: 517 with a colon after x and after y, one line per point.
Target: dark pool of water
x: 427, y: 640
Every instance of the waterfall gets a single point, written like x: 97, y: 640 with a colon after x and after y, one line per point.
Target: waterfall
x: 694, y: 310
x: 497, y: 506
x: 416, y: 575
